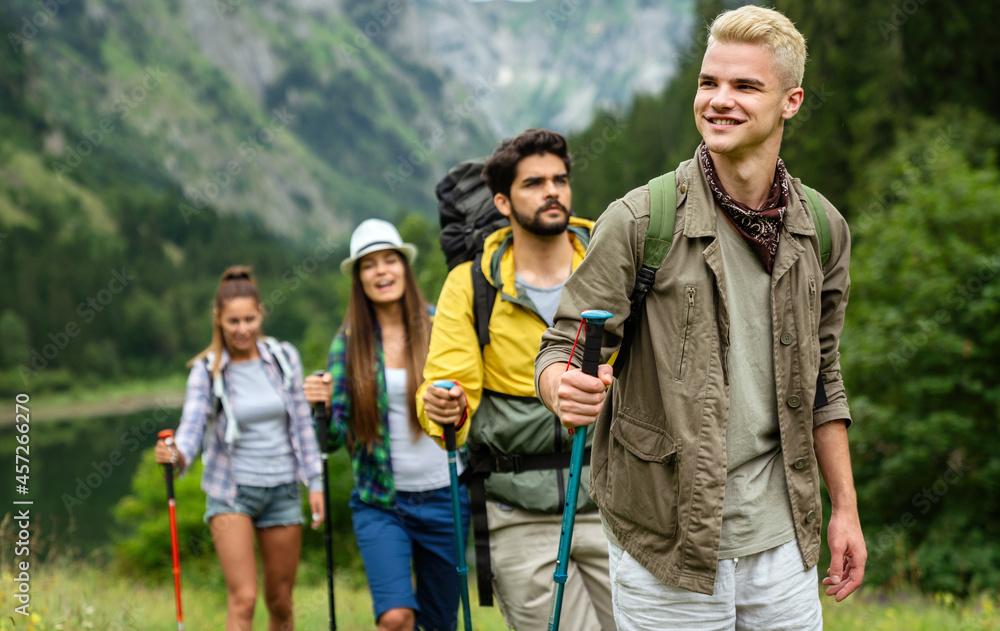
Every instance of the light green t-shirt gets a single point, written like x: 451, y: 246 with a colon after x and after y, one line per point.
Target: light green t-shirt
x: 757, y: 514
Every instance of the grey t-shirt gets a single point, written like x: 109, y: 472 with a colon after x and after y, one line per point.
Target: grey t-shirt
x: 545, y: 299
x: 757, y: 513
x: 263, y: 454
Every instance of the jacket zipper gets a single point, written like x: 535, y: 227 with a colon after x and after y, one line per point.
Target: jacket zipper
x: 813, y: 324
x: 687, y: 328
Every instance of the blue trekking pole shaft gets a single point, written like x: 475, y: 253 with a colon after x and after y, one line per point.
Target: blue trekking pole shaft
x: 322, y: 416
x: 594, y: 320
x: 456, y: 511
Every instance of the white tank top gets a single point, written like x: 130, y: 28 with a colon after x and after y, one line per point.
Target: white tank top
x: 416, y: 466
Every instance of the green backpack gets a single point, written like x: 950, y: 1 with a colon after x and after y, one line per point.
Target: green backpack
x: 659, y: 236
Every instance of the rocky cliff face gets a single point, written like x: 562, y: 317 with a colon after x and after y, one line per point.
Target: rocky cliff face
x: 552, y: 63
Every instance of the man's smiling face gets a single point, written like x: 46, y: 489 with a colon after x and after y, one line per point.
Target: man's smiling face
x: 740, y: 105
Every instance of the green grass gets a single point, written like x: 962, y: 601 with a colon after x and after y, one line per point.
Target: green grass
x: 79, y: 597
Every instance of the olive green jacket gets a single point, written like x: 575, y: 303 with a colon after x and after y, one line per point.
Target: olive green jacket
x: 659, y: 456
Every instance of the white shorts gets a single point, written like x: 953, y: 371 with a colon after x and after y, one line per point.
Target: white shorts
x: 767, y: 591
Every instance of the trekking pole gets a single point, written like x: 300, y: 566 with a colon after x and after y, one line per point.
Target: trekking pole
x: 322, y: 416
x: 595, y: 320
x: 456, y: 511
x: 168, y: 472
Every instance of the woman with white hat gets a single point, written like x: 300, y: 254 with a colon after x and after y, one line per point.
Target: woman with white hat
x: 401, y: 502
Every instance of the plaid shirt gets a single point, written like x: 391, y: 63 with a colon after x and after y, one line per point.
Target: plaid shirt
x: 373, y: 478
x: 217, y: 478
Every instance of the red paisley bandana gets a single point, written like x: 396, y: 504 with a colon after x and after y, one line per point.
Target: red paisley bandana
x: 760, y: 228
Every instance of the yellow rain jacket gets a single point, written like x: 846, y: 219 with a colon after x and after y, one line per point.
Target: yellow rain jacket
x: 506, y: 419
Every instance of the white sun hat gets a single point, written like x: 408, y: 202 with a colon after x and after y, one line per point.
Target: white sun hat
x: 373, y: 235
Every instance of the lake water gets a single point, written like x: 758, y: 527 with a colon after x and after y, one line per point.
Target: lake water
x: 79, y: 469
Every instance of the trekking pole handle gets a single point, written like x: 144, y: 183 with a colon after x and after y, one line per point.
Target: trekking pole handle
x: 322, y: 416
x: 167, y: 435
x: 449, y: 428
x: 595, y: 319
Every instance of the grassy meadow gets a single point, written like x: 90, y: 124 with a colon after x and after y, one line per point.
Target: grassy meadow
x: 77, y: 597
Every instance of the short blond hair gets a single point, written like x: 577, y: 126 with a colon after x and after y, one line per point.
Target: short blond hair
x: 769, y: 29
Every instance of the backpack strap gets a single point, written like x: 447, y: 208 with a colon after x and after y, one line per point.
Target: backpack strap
x: 481, y: 536
x: 822, y: 223
x: 662, y: 213
x: 659, y: 235
x: 483, y: 299
x: 484, y: 296
x: 283, y: 366
x: 220, y: 400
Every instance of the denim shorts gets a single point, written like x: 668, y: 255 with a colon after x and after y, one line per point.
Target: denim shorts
x: 417, y: 534
x: 266, y: 506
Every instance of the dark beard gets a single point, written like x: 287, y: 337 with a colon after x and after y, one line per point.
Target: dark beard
x: 537, y: 226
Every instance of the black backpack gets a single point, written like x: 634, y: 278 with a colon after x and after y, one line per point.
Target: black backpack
x: 466, y: 212
x: 468, y: 215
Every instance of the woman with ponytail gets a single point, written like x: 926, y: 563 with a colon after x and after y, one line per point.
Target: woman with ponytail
x: 245, y: 403
x: 401, y: 503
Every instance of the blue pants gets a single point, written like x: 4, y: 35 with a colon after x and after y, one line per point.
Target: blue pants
x: 419, y: 533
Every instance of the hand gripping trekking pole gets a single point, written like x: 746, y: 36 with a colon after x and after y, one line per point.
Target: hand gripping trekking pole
x: 595, y: 320
x: 168, y: 472
x: 322, y: 416
x: 456, y: 511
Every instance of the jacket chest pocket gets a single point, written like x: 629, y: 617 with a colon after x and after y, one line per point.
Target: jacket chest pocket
x: 688, y: 311
x: 642, y: 475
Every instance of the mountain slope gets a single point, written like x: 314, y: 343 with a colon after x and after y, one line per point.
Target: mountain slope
x: 249, y: 108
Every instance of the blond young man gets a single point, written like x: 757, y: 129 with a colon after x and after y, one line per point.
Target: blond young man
x: 707, y: 456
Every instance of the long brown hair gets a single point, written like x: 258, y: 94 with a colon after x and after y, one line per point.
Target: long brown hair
x: 237, y: 282
x: 359, y: 326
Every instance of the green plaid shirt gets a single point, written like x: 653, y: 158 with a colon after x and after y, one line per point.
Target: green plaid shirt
x: 372, y: 469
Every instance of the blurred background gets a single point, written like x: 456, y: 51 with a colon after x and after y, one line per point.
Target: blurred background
x: 144, y: 147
